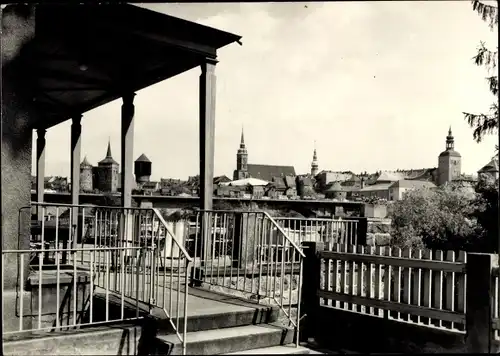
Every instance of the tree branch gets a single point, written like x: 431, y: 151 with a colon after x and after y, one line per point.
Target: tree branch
x: 488, y: 13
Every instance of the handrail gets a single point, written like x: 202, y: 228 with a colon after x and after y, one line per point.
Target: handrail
x: 179, y: 245
x: 280, y: 229
x: 65, y: 205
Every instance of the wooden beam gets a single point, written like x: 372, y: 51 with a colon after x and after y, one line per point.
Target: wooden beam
x: 70, y: 77
x: 426, y: 312
x: 163, y: 40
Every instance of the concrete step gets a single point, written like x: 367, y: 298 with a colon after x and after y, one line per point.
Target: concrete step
x: 223, y: 341
x: 289, y: 349
x: 206, y: 311
x: 105, y: 340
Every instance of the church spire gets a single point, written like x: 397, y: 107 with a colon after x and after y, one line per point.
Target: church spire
x: 314, y: 163
x: 242, y: 141
x: 450, y: 140
x: 108, y: 153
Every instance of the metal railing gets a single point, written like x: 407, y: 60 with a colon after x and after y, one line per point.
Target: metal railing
x: 90, y: 265
x: 248, y: 254
x: 330, y: 231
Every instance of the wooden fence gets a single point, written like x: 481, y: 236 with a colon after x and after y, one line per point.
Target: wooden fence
x: 423, y: 288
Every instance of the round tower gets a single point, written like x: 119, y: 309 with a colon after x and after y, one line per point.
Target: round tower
x: 86, y: 180
x: 449, y: 162
x: 142, y: 169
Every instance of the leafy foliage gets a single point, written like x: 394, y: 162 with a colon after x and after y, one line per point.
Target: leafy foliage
x: 486, y: 123
x: 441, y: 218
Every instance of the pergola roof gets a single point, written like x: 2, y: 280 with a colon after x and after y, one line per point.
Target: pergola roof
x: 84, y: 56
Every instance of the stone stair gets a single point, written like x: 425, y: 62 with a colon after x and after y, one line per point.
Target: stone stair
x: 218, y: 325
x: 250, y: 329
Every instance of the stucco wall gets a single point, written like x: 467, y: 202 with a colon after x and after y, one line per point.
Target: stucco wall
x: 18, y: 117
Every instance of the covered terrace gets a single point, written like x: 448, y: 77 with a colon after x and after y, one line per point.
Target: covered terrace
x: 60, y: 61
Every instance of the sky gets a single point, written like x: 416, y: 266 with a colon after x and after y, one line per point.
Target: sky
x: 372, y: 85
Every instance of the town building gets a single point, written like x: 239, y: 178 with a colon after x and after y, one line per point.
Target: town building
x: 259, y: 171
x: 489, y: 171
x: 399, y: 188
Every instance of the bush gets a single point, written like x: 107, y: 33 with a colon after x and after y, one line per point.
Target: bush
x: 444, y: 218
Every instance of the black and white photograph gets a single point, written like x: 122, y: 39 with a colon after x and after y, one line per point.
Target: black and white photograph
x: 231, y: 178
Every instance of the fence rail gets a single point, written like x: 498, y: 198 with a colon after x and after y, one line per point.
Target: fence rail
x: 414, y: 286
x: 88, y: 265
x: 329, y: 231
x: 250, y: 254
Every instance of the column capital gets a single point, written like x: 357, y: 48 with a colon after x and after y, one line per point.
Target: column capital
x: 128, y: 98
x: 41, y: 133
x: 208, y: 65
x: 76, y: 119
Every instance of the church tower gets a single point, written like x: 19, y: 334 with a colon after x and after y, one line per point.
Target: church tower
x: 449, y: 162
x: 108, y: 173
x: 241, y: 160
x: 314, y: 163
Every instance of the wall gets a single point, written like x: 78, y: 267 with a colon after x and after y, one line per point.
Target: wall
x: 378, y: 232
x: 18, y: 118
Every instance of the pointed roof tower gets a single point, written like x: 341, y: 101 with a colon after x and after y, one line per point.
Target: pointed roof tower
x: 242, y: 149
x: 143, y: 158
x: 85, y: 163
x: 109, y: 158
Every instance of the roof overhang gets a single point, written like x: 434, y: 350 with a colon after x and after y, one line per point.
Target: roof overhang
x: 84, y: 56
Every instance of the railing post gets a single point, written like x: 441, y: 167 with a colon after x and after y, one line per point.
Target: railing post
x: 310, y: 302
x: 479, y: 297
x: 361, y: 231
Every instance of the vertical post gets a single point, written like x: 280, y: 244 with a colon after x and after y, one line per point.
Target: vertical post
x: 40, y: 170
x: 479, y: 294
x: 127, y: 148
x: 127, y: 162
x: 207, y: 146
x: 311, y: 282
x: 361, y: 231
x: 76, y: 148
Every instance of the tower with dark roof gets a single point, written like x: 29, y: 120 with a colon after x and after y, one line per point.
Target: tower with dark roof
x: 142, y: 169
x: 449, y: 162
x: 241, y: 160
x: 314, y: 163
x: 108, y: 171
x: 86, y: 179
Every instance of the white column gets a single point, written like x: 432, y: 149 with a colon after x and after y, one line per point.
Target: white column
x: 40, y: 169
x: 76, y: 148
x: 207, y: 145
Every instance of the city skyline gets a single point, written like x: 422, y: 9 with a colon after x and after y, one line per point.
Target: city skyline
x: 372, y: 98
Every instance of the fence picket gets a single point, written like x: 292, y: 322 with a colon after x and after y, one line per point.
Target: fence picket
x: 368, y: 280
x: 427, y: 276
x: 417, y: 282
x: 450, y: 286
x: 396, y: 290
x: 387, y: 280
x: 461, y: 283
x: 328, y: 272
x: 438, y: 287
x: 360, y: 249
x: 407, y: 275
x: 343, y: 275
x: 335, y: 279
x: 378, y: 281
x: 352, y: 276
